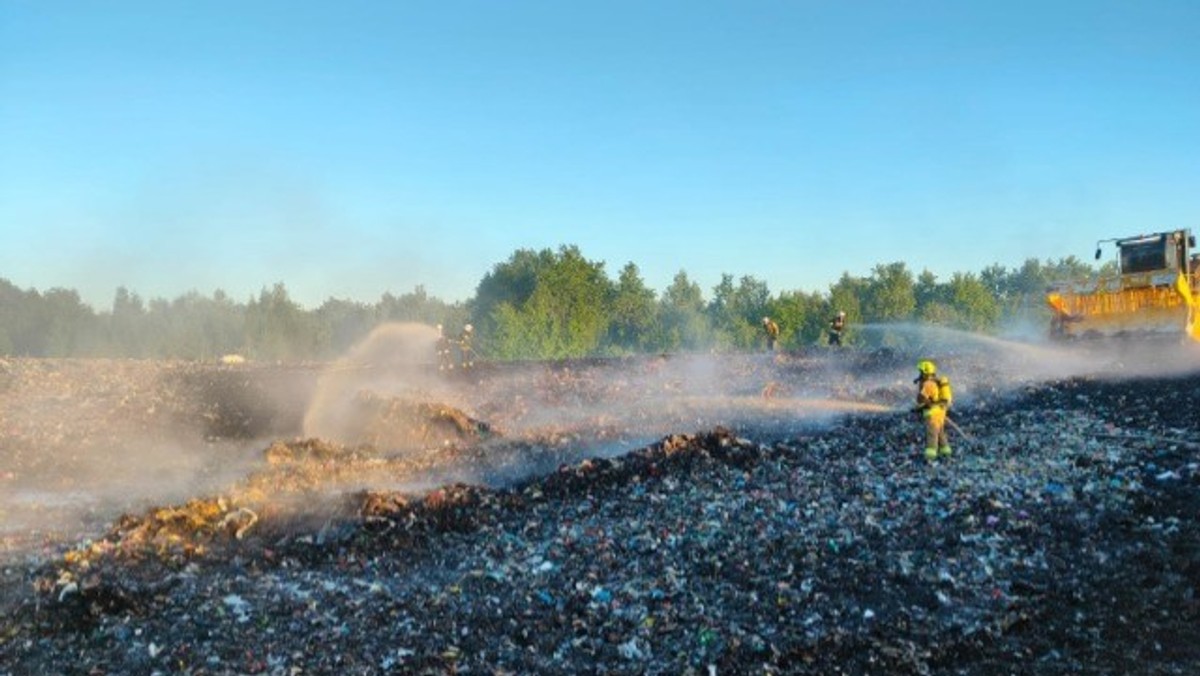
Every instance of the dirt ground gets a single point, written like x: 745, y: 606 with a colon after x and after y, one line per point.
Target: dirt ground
x: 668, y: 515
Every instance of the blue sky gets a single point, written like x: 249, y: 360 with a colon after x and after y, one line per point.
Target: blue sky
x: 351, y: 148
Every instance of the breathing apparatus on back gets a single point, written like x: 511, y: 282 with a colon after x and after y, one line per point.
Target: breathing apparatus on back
x: 945, y: 394
x: 927, y: 370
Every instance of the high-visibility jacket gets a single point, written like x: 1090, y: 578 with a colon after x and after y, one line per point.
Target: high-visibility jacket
x: 934, y: 393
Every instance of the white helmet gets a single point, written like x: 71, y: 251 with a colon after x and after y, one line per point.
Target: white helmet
x: 841, y: 313
x: 468, y: 328
x: 766, y: 319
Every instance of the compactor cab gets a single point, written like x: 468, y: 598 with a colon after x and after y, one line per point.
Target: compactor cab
x: 1152, y: 293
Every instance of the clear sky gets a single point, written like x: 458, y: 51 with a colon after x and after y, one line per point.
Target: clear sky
x: 349, y: 148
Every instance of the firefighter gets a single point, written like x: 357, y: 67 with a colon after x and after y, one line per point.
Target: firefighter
x: 772, y: 331
x: 445, y: 363
x: 836, y: 326
x: 466, y: 354
x: 933, y: 398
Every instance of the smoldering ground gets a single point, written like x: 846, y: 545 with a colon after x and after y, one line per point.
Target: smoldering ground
x: 87, y: 440
x: 1060, y: 539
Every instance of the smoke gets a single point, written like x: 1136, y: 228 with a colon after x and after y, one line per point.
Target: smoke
x: 77, y: 454
x: 641, y: 399
x: 1025, y: 355
x: 82, y: 441
x: 395, y: 359
x: 75, y: 490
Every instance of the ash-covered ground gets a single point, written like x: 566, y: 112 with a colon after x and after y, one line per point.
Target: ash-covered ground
x: 664, y: 515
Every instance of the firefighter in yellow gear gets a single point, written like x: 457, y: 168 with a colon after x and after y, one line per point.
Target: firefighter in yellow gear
x: 772, y: 330
x: 933, y: 399
x: 466, y: 354
x: 837, y: 325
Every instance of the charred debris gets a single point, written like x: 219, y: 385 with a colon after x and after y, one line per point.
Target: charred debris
x: 1063, y: 537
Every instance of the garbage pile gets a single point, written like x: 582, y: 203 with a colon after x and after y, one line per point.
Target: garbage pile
x: 1063, y: 536
x: 394, y: 422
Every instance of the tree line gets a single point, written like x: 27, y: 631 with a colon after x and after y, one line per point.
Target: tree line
x: 547, y: 304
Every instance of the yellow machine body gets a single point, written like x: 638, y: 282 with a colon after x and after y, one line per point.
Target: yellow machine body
x: 1154, y: 292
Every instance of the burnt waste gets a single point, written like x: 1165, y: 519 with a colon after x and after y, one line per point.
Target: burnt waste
x: 1061, y: 537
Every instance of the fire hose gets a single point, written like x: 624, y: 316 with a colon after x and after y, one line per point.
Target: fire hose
x: 958, y: 429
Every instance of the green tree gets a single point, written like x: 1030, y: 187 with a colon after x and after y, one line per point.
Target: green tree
x: 1069, y: 268
x: 736, y: 312
x: 632, y: 313
x: 566, y: 315
x: 888, y: 297
x: 277, y: 328
x: 890, y: 294
x: 801, y: 317
x: 571, y: 305
x: 340, y: 324
x: 682, y: 323
x: 226, y: 323
x: 939, y: 313
x: 69, y: 326
x: 20, y: 322
x: 927, y: 292
x: 514, y: 336
x: 127, y: 325
x: 998, y: 281
x: 188, y: 323
x: 511, y: 282
x: 415, y: 306
x: 972, y: 301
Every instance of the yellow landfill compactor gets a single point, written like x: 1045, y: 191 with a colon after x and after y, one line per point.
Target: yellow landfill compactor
x: 1154, y: 291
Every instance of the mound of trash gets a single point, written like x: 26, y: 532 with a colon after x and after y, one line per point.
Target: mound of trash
x: 398, y: 423
x: 1063, y: 536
